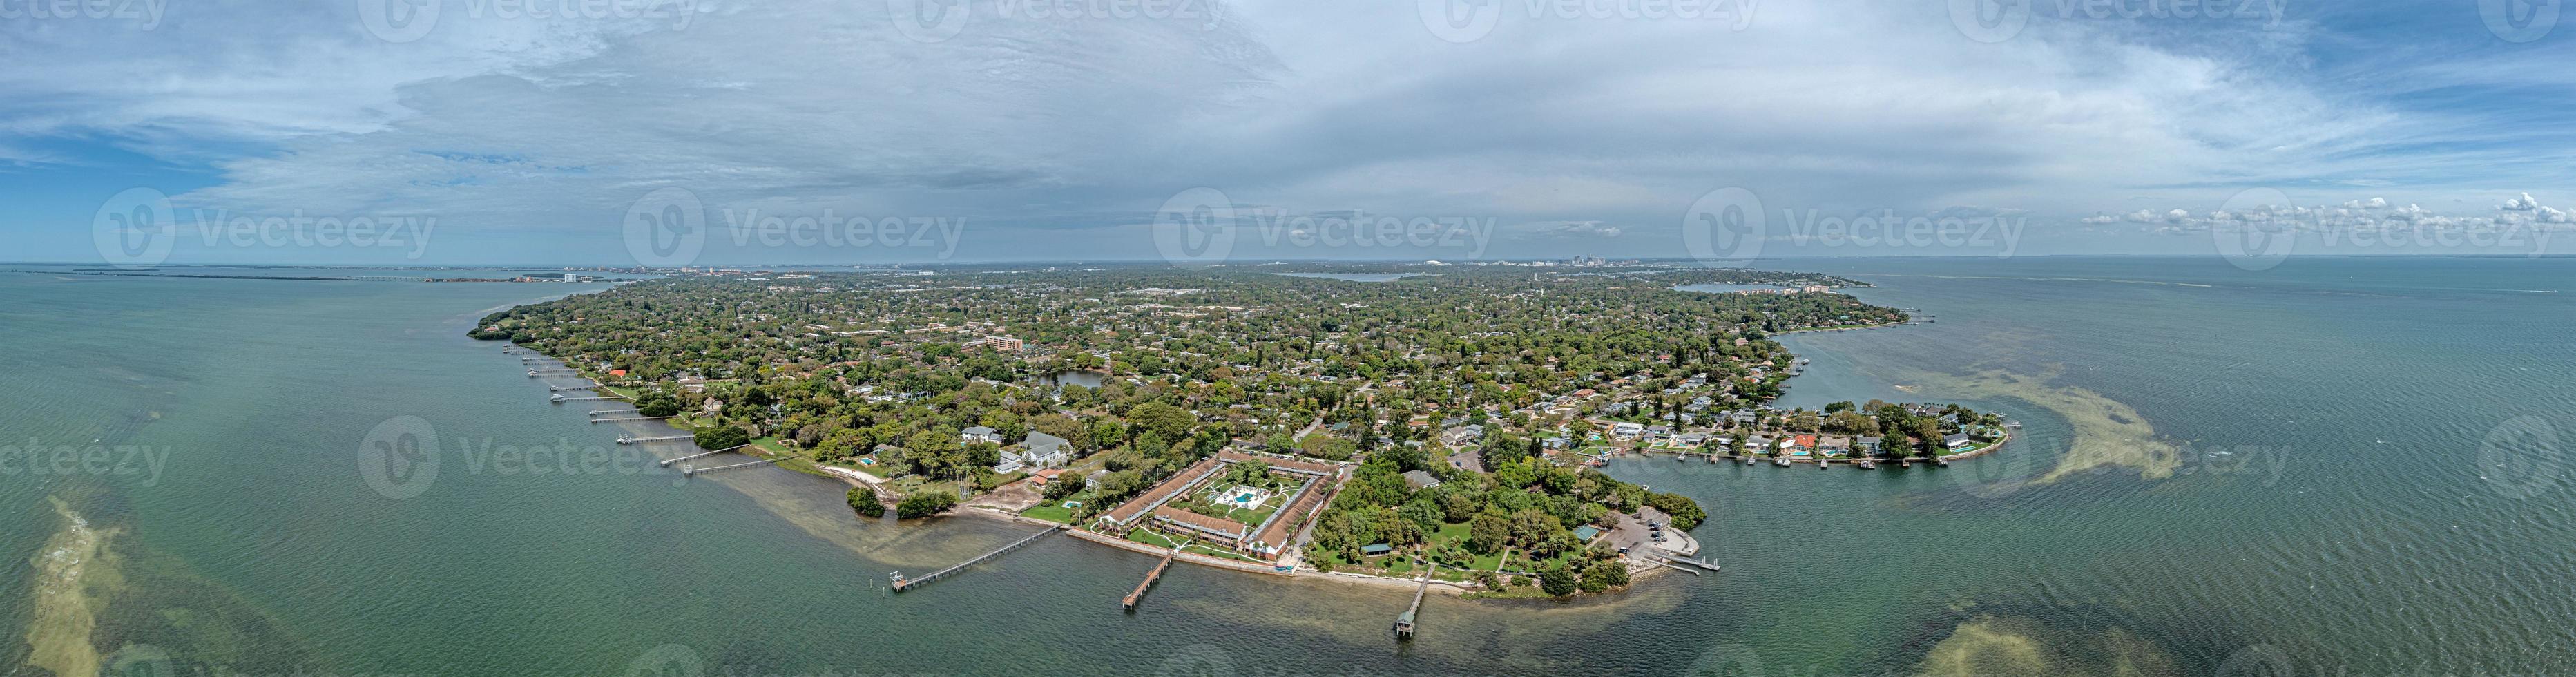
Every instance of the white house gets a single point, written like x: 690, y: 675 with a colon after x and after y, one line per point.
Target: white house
x: 979, y: 434
x: 1041, y: 450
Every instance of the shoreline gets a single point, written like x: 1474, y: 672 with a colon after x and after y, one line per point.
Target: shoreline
x: 1639, y: 570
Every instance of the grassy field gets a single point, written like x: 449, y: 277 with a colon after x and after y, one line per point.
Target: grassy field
x: 1148, y: 537
x: 1051, y: 511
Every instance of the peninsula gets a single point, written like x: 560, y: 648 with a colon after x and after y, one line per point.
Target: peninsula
x: 1361, y: 420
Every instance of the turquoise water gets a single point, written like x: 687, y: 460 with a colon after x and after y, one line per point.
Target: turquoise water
x: 2360, y: 519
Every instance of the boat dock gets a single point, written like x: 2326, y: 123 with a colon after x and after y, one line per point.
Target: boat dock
x: 564, y: 388
x: 1683, y: 563
x: 1404, y: 623
x: 629, y: 418
x: 686, y: 471
x: 623, y: 439
x: 1157, y: 574
x: 901, y: 583
x: 667, y: 462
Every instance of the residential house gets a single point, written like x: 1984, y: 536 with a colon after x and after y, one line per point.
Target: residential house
x: 979, y: 434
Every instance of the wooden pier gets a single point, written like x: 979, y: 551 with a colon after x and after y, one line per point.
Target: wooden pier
x: 622, y: 439
x: 686, y: 471
x: 1139, y: 595
x: 1404, y: 623
x: 667, y: 462
x: 560, y: 398
x: 901, y: 583
x: 597, y: 421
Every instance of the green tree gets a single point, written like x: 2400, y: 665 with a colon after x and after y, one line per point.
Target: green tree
x: 1489, y: 533
x: 924, y: 504
x: 1556, y: 580
x: 720, y: 437
x: 864, y: 501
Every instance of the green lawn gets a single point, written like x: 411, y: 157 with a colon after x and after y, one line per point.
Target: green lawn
x: 1052, y: 511
x: 1148, y: 537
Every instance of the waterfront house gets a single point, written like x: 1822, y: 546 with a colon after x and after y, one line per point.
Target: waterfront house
x: 1626, y: 431
x: 1866, y: 444
x: 1955, y: 440
x: 1041, y: 450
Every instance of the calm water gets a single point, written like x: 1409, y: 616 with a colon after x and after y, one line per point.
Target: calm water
x: 2353, y: 523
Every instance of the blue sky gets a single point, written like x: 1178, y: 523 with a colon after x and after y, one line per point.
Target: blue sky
x: 709, y: 132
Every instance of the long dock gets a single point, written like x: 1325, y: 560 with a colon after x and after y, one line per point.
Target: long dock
x: 559, y: 398
x: 688, y: 471
x: 564, y: 388
x: 901, y: 583
x: 667, y: 462
x: 1150, y: 577
x: 628, y: 418
x: 1404, y: 623
x: 622, y: 439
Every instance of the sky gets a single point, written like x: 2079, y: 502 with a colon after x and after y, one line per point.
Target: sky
x: 707, y: 132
